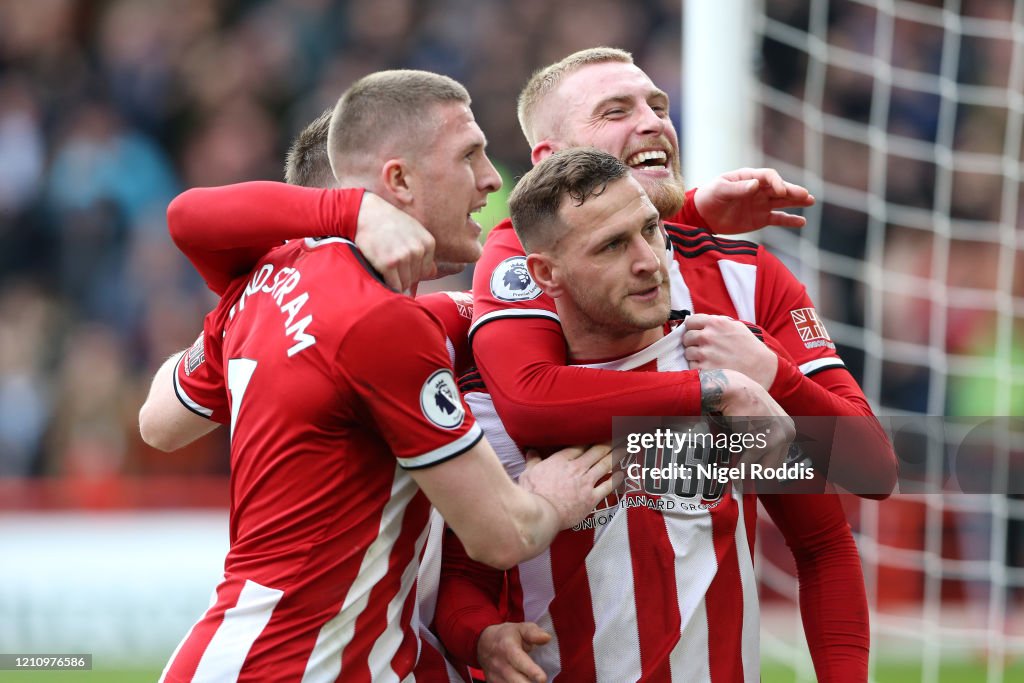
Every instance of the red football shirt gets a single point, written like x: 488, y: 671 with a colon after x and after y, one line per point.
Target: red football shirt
x: 337, y: 385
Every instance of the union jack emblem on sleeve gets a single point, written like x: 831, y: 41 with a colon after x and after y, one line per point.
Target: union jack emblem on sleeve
x: 811, y: 329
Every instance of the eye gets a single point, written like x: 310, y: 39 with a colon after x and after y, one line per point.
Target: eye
x: 614, y: 244
x: 615, y: 113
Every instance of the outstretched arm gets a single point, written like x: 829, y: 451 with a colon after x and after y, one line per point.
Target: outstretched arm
x: 224, y: 231
x: 542, y: 402
x: 744, y: 200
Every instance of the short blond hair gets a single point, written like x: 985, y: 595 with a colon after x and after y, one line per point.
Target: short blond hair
x: 545, y: 80
x: 388, y: 112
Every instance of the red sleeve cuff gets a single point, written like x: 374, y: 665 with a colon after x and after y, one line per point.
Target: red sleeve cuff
x: 689, y: 214
x: 787, y: 377
x: 351, y: 201
x: 463, y: 628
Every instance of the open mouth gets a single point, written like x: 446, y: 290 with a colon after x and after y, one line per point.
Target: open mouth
x: 473, y: 216
x: 652, y: 158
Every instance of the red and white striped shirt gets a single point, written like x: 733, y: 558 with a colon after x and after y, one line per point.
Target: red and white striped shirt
x: 337, y: 385
x: 651, y: 587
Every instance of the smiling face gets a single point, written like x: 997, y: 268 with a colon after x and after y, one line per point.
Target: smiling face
x: 450, y: 178
x: 610, y: 270
x: 615, y: 107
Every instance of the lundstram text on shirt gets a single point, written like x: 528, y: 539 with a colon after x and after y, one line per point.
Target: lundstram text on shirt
x: 285, y: 280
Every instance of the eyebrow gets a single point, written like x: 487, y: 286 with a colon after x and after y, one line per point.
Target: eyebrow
x: 657, y: 93
x: 474, y: 146
x: 607, y: 239
x: 614, y: 99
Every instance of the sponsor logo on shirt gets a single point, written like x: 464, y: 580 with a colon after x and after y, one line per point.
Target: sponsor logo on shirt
x: 196, y: 356
x: 511, y: 281
x: 810, y: 328
x: 439, y: 400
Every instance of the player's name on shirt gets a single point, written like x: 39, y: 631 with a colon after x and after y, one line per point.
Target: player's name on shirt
x: 284, y: 282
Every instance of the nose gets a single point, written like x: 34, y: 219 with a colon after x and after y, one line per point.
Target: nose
x: 488, y: 179
x: 651, y: 122
x: 645, y: 259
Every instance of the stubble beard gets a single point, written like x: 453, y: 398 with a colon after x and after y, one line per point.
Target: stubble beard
x: 615, y: 321
x: 666, y: 195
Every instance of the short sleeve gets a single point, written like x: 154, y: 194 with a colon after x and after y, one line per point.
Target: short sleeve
x: 199, y: 375
x: 395, y: 360
x: 199, y: 382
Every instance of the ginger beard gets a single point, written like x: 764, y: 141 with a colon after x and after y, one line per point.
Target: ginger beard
x: 664, y: 186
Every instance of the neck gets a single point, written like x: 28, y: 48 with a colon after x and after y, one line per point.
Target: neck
x: 352, y: 180
x: 590, y: 342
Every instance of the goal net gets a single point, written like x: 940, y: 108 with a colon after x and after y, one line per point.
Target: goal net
x: 904, y: 119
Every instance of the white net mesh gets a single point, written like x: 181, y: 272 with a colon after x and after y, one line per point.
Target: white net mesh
x: 905, y: 120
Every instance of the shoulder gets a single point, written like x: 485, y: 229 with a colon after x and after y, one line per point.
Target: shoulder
x: 448, y: 304
x: 393, y: 314
x: 337, y: 267
x: 502, y: 243
x: 503, y: 232
x: 690, y: 243
x: 502, y: 286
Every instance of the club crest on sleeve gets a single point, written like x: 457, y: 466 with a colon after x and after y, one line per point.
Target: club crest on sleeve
x: 511, y: 281
x: 196, y: 356
x: 439, y: 400
x: 811, y: 329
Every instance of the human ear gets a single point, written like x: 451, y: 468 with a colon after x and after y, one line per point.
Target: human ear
x: 546, y: 272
